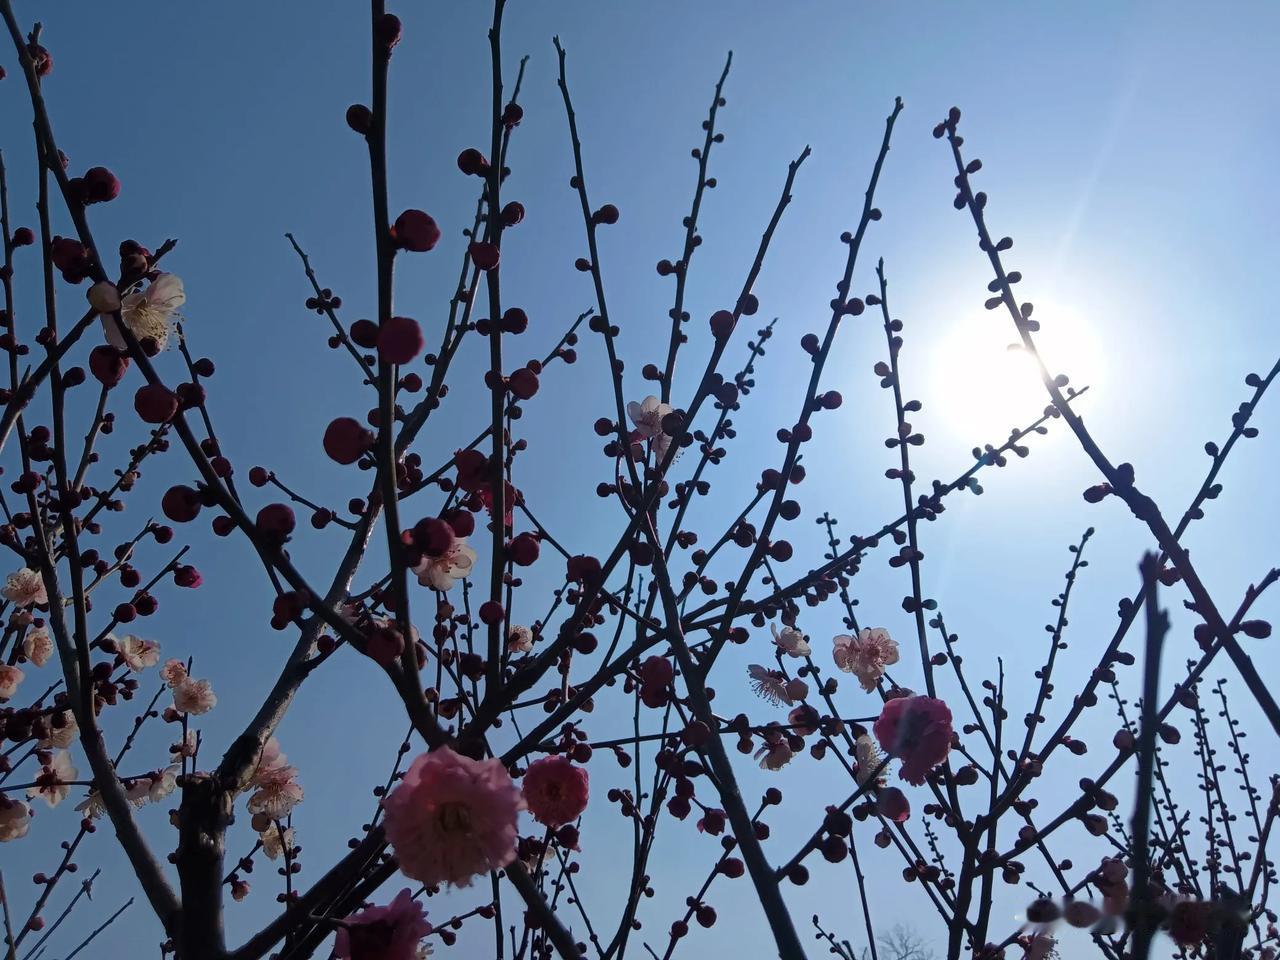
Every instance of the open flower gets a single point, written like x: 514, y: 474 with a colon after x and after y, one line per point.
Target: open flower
x: 869, y: 760
x: 452, y: 818
x: 866, y: 655
x: 138, y: 654
x: 63, y: 736
x: 10, y: 677
x: 278, y: 790
x: 770, y: 685
x: 173, y: 672
x: 54, y: 783
x: 194, y: 696
x: 519, y: 640
x: 163, y: 782
x: 15, y: 819
x: 440, y: 573
x: 775, y: 755
x: 148, y: 313
x: 555, y: 790
x: 917, y: 730
x: 392, y: 932
x: 37, y: 646
x: 25, y: 588
x: 647, y: 417
x: 791, y: 641
x: 274, y: 840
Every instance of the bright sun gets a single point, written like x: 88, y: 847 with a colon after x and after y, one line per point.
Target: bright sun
x: 980, y: 389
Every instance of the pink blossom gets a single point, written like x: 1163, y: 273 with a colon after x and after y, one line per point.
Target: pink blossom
x: 278, y: 790
x: 62, y: 736
x: 25, y: 588
x: 917, y: 730
x: 10, y: 677
x: 776, y: 755
x: 452, y: 817
x: 173, y: 672
x: 392, y: 932
x: 555, y: 790
x: 194, y: 696
x: 440, y: 573
x: 519, y: 640
x: 770, y: 685
x: 647, y: 417
x: 866, y: 655
x: 37, y: 646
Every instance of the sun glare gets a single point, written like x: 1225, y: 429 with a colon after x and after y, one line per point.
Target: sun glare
x: 980, y: 388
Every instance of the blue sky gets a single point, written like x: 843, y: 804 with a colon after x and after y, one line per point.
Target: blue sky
x: 1127, y: 148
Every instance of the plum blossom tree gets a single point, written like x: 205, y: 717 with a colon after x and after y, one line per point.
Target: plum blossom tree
x: 485, y: 802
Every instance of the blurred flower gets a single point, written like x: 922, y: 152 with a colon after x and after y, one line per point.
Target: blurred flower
x: 392, y: 932
x: 555, y: 790
x: 917, y: 730
x: 452, y: 818
x: 65, y: 735
x: 15, y: 819
x: 519, y: 640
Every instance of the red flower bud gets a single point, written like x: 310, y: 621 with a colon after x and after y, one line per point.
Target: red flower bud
x: 523, y: 383
x: 415, y: 231
x: 387, y: 30
x: 276, y: 521
x: 483, y: 255
x: 721, y: 324
x: 107, y: 365
x: 400, y: 340
x: 472, y: 162
x: 433, y: 536
x: 181, y: 504
x: 101, y: 185
x: 512, y: 213
x: 525, y: 549
x: 23, y: 237
x: 512, y: 114
x: 155, y: 403
x: 491, y: 612
x: 360, y: 118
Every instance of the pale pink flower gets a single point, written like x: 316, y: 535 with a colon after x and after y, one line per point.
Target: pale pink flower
x: 91, y: 807
x: 186, y: 748
x: 53, y: 784
x: 274, y: 840
x: 173, y: 672
x: 15, y: 819
x: 392, y: 932
x: 647, y: 417
x: 519, y: 640
x: 917, y: 730
x: 770, y: 685
x: 64, y: 736
x: 138, y: 654
x: 452, y: 818
x: 775, y: 756
x: 866, y: 655
x: 10, y: 677
x: 869, y: 761
x: 440, y: 573
x: 790, y: 641
x: 25, y: 588
x: 194, y: 696
x: 278, y: 791
x: 149, y: 312
x: 163, y: 783
x: 37, y: 646
x: 136, y: 791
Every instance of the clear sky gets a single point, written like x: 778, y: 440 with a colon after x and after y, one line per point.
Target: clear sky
x: 1128, y: 148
